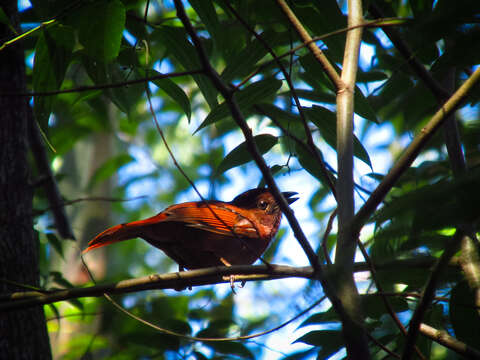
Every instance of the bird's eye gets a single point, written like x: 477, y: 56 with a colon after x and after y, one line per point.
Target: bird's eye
x: 262, y: 204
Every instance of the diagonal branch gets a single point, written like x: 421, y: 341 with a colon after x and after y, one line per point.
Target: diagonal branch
x: 412, y: 151
x: 313, y: 149
x: 450, y: 342
x: 237, y: 115
x: 451, y: 247
x: 452, y: 141
x: 437, y: 89
x: 307, y: 39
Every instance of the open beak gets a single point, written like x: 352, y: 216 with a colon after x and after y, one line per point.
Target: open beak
x: 288, y: 196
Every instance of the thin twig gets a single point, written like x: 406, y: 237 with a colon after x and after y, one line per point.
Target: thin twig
x: 366, y: 24
x: 237, y: 115
x: 307, y: 39
x: 428, y: 294
x: 314, y: 150
x: 212, y: 339
x: 325, y: 236
x: 380, y: 291
x: 192, y: 184
x: 89, y: 198
x: 383, y: 347
x: 437, y: 89
x: 103, y: 86
x: 50, y: 185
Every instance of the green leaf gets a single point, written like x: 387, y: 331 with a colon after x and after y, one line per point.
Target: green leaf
x: 231, y: 348
x: 330, y: 341
x: 175, y: 40
x: 60, y: 280
x: 316, y: 96
x: 100, y: 25
x: 374, y: 307
x: 246, y: 98
x: 326, y: 122
x: 329, y: 316
x: 206, y: 12
x: 174, y: 91
x: 124, y: 97
x: 53, y: 53
x: 109, y: 168
x: 323, y: 18
x: 240, y: 155
x: 242, y: 64
x: 287, y: 119
x: 464, y: 315
x: 6, y: 21
x: 56, y: 313
x: 322, y: 84
x: 308, y: 162
x: 56, y: 243
x: 363, y: 106
x: 216, y: 328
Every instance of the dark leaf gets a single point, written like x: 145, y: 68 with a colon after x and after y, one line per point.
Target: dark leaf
x: 329, y: 341
x: 326, y: 122
x: 56, y: 243
x: 174, y: 91
x: 231, y: 348
x: 53, y: 54
x: 241, y: 155
x: 464, y: 314
x: 101, y: 35
x: 253, y: 94
x: 175, y: 40
x: 109, y: 168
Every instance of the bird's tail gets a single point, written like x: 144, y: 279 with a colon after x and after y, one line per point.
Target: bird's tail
x: 116, y: 233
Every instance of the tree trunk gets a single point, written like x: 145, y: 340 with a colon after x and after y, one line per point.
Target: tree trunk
x: 23, y: 333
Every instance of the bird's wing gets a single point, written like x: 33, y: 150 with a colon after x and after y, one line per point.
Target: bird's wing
x: 218, y: 218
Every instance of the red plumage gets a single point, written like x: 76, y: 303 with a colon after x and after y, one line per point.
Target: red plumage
x: 211, y: 233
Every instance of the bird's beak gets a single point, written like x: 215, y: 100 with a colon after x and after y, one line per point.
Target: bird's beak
x: 288, y: 196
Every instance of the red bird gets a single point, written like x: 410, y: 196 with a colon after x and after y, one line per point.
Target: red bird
x: 203, y: 234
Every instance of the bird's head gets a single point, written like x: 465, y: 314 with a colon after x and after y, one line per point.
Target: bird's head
x: 264, y: 208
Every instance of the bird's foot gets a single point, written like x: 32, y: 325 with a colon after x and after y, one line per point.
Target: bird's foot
x: 181, y: 268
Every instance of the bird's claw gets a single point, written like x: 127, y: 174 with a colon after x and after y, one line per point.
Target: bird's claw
x: 232, y: 279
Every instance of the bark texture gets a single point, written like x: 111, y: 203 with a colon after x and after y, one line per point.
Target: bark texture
x: 23, y: 333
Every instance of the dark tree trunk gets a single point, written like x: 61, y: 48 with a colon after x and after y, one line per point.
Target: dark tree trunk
x: 23, y: 333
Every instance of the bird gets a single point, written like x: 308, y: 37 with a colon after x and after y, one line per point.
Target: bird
x: 207, y: 233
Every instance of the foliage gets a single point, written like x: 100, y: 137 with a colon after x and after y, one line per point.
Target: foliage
x: 104, y: 49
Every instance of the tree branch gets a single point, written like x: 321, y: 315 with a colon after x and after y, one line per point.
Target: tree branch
x: 102, y: 86
x: 311, y: 145
x: 307, y: 39
x: 353, y: 328
x: 440, y: 93
x: 57, y: 205
x: 412, y: 151
x: 183, y: 279
x: 177, y: 280
x: 451, y: 247
x: 450, y: 342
